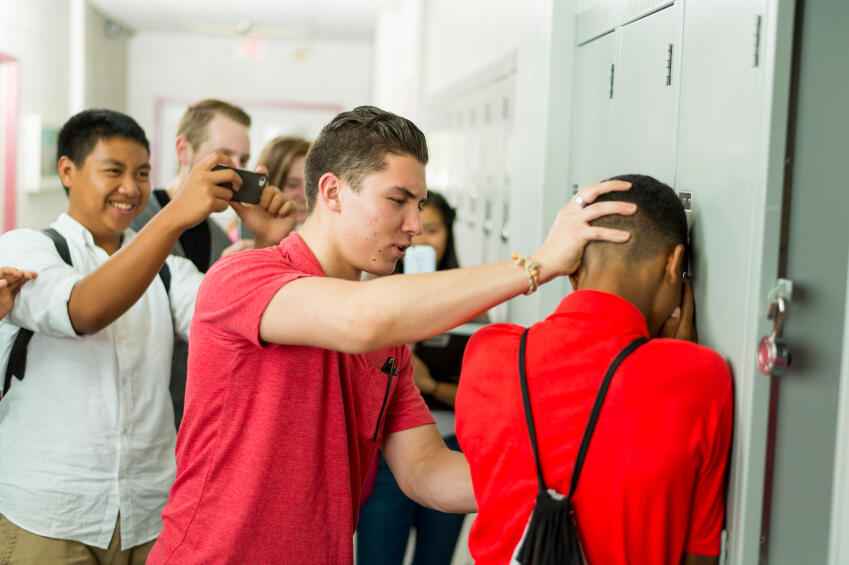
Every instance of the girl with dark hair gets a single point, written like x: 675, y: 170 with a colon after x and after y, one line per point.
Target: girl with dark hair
x: 387, y: 516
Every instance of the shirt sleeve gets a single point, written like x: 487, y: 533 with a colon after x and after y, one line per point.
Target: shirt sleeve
x: 236, y: 291
x: 708, y: 510
x: 407, y: 409
x: 42, y: 304
x: 185, y: 282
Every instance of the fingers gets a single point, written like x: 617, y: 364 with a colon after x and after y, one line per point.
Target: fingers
x: 688, y: 303
x: 262, y: 169
x: 287, y: 208
x: 225, y: 176
x: 213, y: 159
x: 606, y: 234
x: 600, y: 209
x: 590, y: 193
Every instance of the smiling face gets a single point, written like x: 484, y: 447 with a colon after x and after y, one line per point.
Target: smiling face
x: 379, y: 221
x: 293, y: 187
x: 109, y: 190
x: 226, y: 136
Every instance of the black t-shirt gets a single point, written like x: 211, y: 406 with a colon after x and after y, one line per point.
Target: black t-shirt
x: 195, y: 241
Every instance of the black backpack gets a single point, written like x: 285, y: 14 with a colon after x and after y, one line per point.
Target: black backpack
x: 551, y: 536
x: 17, y: 364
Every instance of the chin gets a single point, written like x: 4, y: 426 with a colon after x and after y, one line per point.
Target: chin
x: 379, y: 272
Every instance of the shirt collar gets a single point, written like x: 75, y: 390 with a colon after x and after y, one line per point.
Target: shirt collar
x: 295, y: 249
x: 604, y: 306
x: 72, y: 229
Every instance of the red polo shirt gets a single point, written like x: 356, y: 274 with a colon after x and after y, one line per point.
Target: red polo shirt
x: 276, y: 440
x: 652, y: 485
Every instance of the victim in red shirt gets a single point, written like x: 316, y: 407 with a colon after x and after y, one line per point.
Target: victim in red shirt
x: 652, y: 486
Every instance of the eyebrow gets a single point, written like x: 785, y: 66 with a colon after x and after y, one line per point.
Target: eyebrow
x: 409, y: 194
x: 117, y: 163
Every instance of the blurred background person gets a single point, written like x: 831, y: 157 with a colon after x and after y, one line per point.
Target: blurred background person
x: 387, y: 516
x: 284, y: 158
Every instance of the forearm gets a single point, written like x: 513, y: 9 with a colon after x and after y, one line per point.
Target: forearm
x: 406, y: 309
x: 111, y: 289
x: 444, y: 392
x: 442, y: 482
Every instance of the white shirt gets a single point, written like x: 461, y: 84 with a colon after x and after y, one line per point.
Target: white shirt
x: 89, y: 431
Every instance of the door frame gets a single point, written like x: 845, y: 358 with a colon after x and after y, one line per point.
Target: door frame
x: 9, y: 68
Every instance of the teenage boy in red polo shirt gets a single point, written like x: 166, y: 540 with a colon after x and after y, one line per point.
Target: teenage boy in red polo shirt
x: 651, y: 489
x: 298, y: 372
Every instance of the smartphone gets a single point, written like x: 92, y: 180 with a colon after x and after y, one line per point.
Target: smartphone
x: 252, y: 185
x: 419, y: 259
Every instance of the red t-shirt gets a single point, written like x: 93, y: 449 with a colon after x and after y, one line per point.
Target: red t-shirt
x: 276, y: 440
x: 652, y: 483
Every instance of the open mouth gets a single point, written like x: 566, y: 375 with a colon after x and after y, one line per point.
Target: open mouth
x: 122, y: 207
x: 401, y: 249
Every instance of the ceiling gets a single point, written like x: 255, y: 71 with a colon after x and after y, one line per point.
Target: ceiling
x: 296, y: 19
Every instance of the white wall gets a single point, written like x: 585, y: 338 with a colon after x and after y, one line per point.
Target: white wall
x: 57, y: 78
x: 105, y: 64
x: 37, y: 33
x: 182, y: 68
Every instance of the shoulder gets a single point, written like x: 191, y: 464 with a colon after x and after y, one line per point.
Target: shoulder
x: 19, y: 245
x: 490, y: 345
x: 702, y: 367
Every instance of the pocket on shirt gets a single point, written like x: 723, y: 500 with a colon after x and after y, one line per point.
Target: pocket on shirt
x: 374, y: 403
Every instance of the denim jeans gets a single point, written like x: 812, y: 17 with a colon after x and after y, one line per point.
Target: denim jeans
x: 387, y: 517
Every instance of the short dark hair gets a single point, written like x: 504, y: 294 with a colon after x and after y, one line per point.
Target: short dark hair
x: 81, y: 133
x: 354, y: 144
x: 197, y: 116
x: 658, y: 224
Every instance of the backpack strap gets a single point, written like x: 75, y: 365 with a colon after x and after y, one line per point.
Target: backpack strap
x: 17, y: 364
x: 596, y: 410
x: 165, y: 276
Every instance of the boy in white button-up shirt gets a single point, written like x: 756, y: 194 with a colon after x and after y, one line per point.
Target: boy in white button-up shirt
x: 87, y: 437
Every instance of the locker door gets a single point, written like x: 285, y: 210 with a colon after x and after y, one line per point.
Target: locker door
x: 592, y: 111
x: 643, y: 97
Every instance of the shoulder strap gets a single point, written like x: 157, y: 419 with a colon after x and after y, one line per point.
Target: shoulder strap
x: 165, y: 275
x: 17, y: 364
x: 60, y: 243
x: 588, y: 431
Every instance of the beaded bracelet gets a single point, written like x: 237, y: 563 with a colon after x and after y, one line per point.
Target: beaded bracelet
x: 532, y: 268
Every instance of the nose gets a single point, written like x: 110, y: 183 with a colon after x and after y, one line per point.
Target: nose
x: 413, y: 222
x: 130, y: 185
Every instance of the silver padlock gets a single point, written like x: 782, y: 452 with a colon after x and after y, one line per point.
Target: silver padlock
x: 773, y: 353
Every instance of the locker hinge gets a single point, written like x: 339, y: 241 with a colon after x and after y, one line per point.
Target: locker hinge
x: 669, y: 65
x: 612, y: 71
x: 756, y: 61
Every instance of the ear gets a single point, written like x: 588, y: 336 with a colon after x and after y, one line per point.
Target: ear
x: 577, y: 278
x: 184, y: 150
x: 674, y: 265
x: 67, y: 170
x: 329, y: 189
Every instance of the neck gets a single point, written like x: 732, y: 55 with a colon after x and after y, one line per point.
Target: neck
x: 629, y: 283
x: 109, y: 242
x: 174, y: 187
x: 322, y: 244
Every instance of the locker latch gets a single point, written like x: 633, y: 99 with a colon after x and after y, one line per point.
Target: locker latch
x: 773, y: 353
